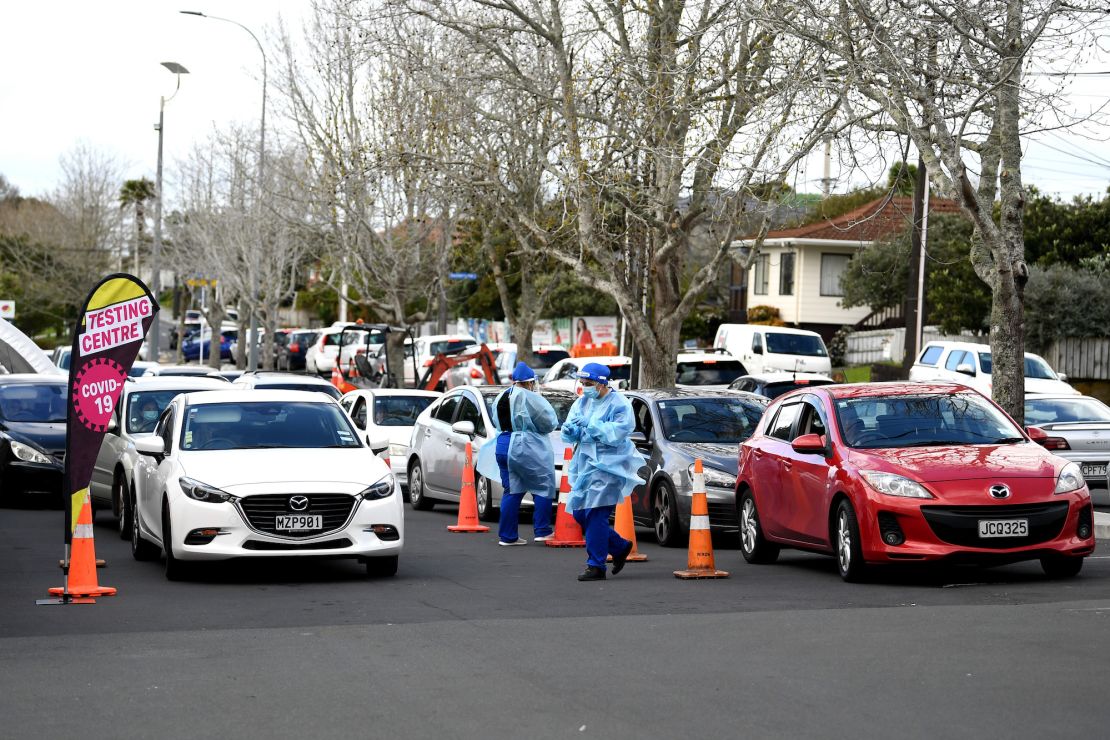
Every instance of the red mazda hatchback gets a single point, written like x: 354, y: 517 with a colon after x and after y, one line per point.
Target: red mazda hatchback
x: 899, y: 472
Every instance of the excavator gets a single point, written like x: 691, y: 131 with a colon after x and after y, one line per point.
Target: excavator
x: 445, y: 367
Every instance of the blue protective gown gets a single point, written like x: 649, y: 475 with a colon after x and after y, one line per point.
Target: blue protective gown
x: 606, y: 465
x: 531, y: 460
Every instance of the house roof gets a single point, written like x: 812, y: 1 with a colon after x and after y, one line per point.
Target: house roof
x: 878, y: 219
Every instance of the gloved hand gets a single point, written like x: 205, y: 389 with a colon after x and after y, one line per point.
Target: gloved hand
x: 593, y: 430
x: 573, y: 428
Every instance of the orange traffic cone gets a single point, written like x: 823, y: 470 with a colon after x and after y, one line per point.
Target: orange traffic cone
x: 81, y: 577
x: 699, y: 560
x: 622, y: 522
x: 567, y: 531
x: 468, y: 499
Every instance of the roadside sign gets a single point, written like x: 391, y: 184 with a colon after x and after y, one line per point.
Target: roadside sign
x: 462, y: 275
x: 7, y: 309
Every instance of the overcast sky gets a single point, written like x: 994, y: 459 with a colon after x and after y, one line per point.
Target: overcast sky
x: 91, y: 71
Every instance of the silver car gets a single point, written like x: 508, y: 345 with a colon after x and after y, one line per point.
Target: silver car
x: 437, y: 449
x: 1078, y: 428
x: 112, y: 482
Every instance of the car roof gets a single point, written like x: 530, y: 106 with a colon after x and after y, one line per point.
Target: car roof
x: 702, y: 356
x: 602, y: 360
x: 171, y: 382
x: 667, y: 394
x: 392, y: 392
x: 271, y: 376
x: 895, y: 388
x: 970, y: 346
x: 1061, y: 397
x: 782, y: 377
x: 32, y: 378
x: 256, y: 396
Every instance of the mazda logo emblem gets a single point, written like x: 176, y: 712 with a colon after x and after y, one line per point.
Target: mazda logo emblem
x: 300, y: 503
x: 1000, y: 491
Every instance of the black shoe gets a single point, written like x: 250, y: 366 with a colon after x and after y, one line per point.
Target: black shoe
x: 592, y: 573
x: 620, y: 560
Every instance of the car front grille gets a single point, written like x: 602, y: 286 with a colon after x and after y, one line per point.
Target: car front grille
x: 296, y: 546
x: 723, y: 516
x: 959, y: 525
x: 261, y: 511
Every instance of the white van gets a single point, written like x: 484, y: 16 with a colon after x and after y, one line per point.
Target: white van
x: 763, y: 349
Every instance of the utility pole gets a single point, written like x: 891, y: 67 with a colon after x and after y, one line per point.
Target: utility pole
x: 914, y: 306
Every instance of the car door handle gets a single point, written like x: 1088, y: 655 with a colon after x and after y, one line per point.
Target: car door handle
x: 786, y: 465
x: 757, y: 453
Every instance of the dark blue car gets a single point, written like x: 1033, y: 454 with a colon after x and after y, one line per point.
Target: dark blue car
x: 191, y: 349
x: 32, y: 436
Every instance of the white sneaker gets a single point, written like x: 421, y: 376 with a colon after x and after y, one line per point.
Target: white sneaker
x: 545, y: 537
x: 519, y: 541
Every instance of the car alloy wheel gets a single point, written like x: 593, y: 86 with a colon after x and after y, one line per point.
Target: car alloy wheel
x: 486, y: 512
x: 849, y: 555
x: 753, y: 546
x: 668, y: 531
x: 123, y: 506
x: 417, y: 497
x: 140, y: 548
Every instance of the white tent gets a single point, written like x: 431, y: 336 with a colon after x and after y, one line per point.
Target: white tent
x: 18, y: 354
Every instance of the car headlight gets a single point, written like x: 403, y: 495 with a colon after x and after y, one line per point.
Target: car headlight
x: 198, y: 491
x: 381, y: 489
x: 396, y: 450
x: 714, y: 477
x: 1070, y: 479
x: 895, y: 485
x: 26, y: 453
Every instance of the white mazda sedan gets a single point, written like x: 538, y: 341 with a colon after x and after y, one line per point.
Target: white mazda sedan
x: 261, y: 473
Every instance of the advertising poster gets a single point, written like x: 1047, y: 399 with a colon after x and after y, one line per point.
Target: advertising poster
x: 116, y: 317
x: 595, y: 330
x: 552, y: 331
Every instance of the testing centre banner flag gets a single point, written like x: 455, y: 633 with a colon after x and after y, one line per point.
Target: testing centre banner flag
x: 116, y: 317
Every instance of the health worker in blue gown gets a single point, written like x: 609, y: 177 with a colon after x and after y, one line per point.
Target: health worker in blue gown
x: 604, y: 469
x: 521, y: 456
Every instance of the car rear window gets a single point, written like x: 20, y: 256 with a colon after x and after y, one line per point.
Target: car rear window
x: 708, y: 372
x: 780, y: 343
x: 543, y: 359
x: 931, y: 355
x: 774, y: 390
x: 448, y: 346
x: 331, y: 390
x: 399, y: 411
x: 1063, y: 410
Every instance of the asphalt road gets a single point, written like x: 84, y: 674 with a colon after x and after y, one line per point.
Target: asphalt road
x: 474, y: 640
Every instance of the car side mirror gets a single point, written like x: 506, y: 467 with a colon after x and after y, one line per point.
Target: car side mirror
x: 113, y: 424
x: 463, y: 427
x: 809, y: 444
x: 965, y: 369
x: 381, y: 444
x: 757, y: 350
x: 152, y: 446
x: 1063, y: 377
x: 639, y: 439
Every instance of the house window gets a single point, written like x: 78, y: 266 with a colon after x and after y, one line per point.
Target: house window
x: 832, y: 270
x: 759, y: 286
x: 786, y: 274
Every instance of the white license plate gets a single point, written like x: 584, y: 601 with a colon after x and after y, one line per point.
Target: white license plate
x: 1093, y: 470
x: 299, y: 522
x: 1003, y: 527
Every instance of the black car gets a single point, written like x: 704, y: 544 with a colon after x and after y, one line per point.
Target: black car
x: 673, y: 429
x: 773, y: 385
x: 291, y: 348
x: 32, y: 435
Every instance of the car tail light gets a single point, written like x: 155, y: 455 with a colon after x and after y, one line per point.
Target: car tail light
x: 294, y: 347
x: 428, y: 363
x: 475, y: 373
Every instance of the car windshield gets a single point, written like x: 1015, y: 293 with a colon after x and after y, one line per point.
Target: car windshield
x: 619, y: 372
x: 1063, y: 410
x: 1035, y: 367
x: 924, y: 421
x: 136, y: 371
x: 265, y: 424
x: 399, y: 411
x: 28, y: 402
x: 448, y: 346
x: 781, y: 343
x: 708, y: 372
x: 561, y: 402
x: 331, y: 390
x: 774, y: 390
x: 718, y: 419
x: 144, y: 408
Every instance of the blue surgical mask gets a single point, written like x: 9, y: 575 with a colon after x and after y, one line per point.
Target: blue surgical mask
x: 150, y: 415
x: 590, y: 391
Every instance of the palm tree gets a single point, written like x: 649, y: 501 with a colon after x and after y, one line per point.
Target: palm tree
x: 136, y: 194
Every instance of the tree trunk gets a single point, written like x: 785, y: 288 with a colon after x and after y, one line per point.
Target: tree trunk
x: 215, y: 318
x: 395, y: 351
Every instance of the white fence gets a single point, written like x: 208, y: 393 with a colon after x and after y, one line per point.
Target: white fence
x: 889, y: 345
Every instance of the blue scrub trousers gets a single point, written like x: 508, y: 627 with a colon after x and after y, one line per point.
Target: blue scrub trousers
x: 601, y: 539
x: 507, y: 527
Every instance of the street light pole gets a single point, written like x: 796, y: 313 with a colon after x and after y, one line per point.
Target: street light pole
x: 156, y: 254
x: 252, y: 335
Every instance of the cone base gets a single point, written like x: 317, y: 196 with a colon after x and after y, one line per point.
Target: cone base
x: 71, y: 600
x: 565, y: 543
x: 636, y: 557
x: 706, y: 573
x: 467, y: 528
x: 88, y: 591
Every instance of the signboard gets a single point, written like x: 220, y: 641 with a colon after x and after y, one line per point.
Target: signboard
x: 595, y: 330
x: 462, y: 275
x: 7, y: 309
x: 114, y: 321
x: 552, y: 331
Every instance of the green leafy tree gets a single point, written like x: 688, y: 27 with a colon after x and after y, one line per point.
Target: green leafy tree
x: 1059, y: 232
x: 1066, y: 301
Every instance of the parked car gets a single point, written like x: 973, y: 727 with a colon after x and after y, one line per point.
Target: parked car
x: 231, y: 474
x: 420, y: 352
x: 762, y: 348
x: 193, y: 348
x: 388, y: 414
x: 712, y: 370
x: 291, y: 354
x: 139, y: 407
x: 178, y: 371
x: 60, y: 356
x: 141, y: 368
x: 899, y: 472
x: 970, y: 364
x: 1076, y: 428
x: 263, y: 379
x: 674, y: 428
x: 563, y: 374
x: 439, y: 437
x: 773, y: 385
x: 320, y: 357
x: 33, y: 411
x: 544, y: 356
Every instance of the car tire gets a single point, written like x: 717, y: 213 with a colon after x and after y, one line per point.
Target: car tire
x: 417, y: 496
x: 664, y: 516
x: 484, y: 493
x: 176, y: 570
x: 846, y: 542
x: 382, y: 567
x: 122, y: 505
x: 140, y: 549
x: 1058, y: 566
x: 753, y: 545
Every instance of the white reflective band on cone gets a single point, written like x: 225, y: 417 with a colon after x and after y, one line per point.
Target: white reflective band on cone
x: 563, y: 497
x: 84, y: 531
x: 699, y: 482
x: 699, y: 521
